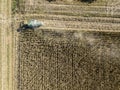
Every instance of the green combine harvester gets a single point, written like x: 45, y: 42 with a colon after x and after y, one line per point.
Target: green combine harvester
x: 32, y: 24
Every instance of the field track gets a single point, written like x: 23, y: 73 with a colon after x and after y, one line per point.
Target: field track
x: 6, y: 46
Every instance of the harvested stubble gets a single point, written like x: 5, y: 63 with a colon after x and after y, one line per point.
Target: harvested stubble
x: 68, y: 60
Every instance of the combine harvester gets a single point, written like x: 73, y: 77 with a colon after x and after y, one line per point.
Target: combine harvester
x: 32, y: 24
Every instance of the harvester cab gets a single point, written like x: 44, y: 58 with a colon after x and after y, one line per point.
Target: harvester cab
x: 32, y: 24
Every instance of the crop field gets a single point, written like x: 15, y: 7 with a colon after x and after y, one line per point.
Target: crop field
x: 77, y: 48
x: 68, y: 60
